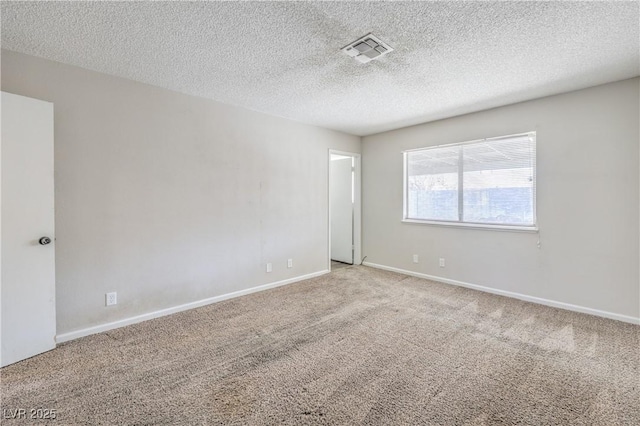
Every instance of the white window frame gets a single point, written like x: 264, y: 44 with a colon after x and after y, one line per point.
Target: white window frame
x: 459, y: 223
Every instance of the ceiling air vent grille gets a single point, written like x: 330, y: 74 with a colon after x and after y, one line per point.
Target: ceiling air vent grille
x: 367, y: 49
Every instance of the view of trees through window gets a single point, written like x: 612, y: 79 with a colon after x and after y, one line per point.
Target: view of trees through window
x: 486, y: 182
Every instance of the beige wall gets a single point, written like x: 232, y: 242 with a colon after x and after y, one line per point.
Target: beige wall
x: 587, y: 203
x: 167, y: 198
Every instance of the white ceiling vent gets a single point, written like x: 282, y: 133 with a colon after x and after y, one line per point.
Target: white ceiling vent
x: 367, y: 48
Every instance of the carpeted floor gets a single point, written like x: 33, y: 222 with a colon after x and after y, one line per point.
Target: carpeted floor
x: 337, y: 265
x: 357, y: 346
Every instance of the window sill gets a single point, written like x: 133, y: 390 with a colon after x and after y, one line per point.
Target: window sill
x: 484, y: 226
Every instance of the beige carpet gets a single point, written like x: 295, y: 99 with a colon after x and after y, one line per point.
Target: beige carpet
x: 357, y: 346
x: 337, y: 265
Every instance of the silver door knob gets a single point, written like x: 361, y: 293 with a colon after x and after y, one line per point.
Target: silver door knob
x: 44, y: 241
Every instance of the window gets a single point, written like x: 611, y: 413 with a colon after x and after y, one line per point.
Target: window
x: 487, y: 183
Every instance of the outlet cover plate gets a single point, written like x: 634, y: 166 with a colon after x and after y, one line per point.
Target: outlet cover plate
x: 111, y: 299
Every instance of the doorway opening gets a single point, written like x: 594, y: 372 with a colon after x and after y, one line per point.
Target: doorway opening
x: 344, y: 209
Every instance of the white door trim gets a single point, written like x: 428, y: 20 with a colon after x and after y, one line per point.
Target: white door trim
x: 357, y: 206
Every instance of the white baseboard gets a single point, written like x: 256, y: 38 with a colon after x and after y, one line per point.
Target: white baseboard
x: 526, y: 298
x: 65, y: 337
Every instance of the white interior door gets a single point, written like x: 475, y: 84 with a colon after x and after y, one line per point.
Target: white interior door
x: 27, y: 289
x: 341, y: 208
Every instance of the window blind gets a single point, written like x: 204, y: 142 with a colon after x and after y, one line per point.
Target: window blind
x: 491, y: 181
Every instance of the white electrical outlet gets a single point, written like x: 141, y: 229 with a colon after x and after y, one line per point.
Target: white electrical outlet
x: 111, y: 299
x: 415, y: 258
x: 442, y: 262
x: 269, y: 267
x: 289, y: 263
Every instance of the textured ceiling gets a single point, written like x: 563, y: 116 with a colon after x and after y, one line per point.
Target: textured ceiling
x: 284, y: 59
